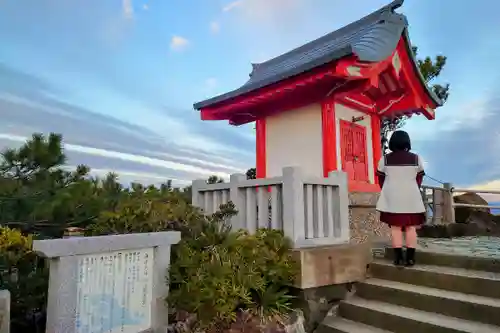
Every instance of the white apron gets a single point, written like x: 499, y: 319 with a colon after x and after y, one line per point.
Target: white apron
x: 400, y: 192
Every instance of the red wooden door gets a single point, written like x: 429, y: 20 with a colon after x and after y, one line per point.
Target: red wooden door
x: 353, y: 151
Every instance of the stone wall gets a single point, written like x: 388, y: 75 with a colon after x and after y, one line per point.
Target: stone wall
x: 364, y: 219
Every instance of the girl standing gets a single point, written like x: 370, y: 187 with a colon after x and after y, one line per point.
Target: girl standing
x: 401, y: 206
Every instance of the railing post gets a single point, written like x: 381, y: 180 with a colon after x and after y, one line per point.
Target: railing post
x: 238, y: 199
x: 448, y: 208
x: 196, y: 198
x: 340, y: 178
x: 293, y: 204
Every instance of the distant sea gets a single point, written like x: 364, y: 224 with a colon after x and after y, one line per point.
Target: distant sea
x: 495, y: 211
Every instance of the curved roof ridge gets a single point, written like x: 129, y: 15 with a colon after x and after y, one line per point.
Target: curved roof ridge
x: 350, y: 27
x: 370, y: 38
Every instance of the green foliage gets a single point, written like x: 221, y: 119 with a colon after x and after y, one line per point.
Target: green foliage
x: 215, y: 272
x: 251, y: 173
x: 146, y: 211
x: 214, y: 180
x: 23, y: 274
x: 430, y: 70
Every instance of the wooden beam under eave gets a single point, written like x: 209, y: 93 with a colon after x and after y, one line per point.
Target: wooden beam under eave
x: 412, y: 78
x: 357, y: 101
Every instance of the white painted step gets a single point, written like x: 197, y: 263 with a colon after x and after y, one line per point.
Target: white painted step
x: 348, y: 326
x: 453, y: 295
x: 424, y: 317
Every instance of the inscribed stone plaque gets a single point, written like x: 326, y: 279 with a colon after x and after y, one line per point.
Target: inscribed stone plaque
x: 114, y: 292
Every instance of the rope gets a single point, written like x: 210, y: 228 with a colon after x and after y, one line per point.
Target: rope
x: 434, y: 179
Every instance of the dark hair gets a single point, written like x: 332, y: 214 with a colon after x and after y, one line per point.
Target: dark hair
x: 400, y: 140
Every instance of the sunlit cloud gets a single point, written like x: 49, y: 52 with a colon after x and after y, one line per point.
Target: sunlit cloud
x: 134, y: 158
x: 178, y: 43
x: 128, y: 9
x: 211, y: 83
x: 232, y: 5
x: 129, y: 176
x: 214, y: 27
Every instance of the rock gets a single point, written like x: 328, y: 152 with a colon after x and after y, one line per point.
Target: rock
x: 463, y: 213
x: 296, y: 323
x: 478, y: 224
x: 469, y: 221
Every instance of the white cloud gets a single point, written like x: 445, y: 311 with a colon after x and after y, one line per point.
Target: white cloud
x: 200, y: 172
x: 232, y: 5
x: 196, y: 160
x: 455, y: 114
x: 214, y: 27
x: 263, y: 9
x: 211, y: 83
x: 128, y: 176
x: 178, y: 43
x: 127, y: 9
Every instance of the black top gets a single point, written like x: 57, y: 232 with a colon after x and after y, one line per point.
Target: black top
x: 372, y: 38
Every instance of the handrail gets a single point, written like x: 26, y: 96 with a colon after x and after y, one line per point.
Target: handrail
x: 446, y: 205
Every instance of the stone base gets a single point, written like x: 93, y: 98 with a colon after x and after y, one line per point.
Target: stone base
x: 327, y: 276
x: 329, y: 265
x: 317, y: 303
x: 364, y: 219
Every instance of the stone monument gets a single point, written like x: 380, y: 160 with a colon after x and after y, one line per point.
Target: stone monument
x: 108, y: 284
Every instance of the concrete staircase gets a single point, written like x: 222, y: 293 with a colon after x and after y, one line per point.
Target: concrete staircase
x: 441, y: 294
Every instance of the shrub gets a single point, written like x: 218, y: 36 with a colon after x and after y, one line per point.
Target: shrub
x: 216, y: 272
x: 22, y: 272
x: 144, y: 213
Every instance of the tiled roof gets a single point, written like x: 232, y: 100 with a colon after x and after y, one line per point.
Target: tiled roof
x: 372, y: 38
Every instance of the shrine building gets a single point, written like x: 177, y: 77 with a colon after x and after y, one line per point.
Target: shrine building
x: 320, y: 105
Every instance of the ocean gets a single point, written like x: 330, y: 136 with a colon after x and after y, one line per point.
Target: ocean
x: 495, y: 211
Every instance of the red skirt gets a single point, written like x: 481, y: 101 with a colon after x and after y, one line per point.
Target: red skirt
x: 402, y: 219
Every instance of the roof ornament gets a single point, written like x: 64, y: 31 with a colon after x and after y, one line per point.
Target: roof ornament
x: 395, y: 5
x: 254, y: 68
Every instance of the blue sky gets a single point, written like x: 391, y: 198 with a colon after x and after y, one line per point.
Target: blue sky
x: 118, y: 79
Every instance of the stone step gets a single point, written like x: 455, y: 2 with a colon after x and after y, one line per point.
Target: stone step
x: 342, y: 325
x: 454, y: 260
x: 478, y: 283
x: 400, y: 319
x: 450, y: 303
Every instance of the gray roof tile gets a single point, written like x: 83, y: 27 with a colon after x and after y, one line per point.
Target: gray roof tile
x: 372, y: 38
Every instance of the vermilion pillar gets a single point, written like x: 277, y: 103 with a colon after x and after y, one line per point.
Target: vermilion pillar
x: 328, y: 136
x: 376, y: 143
x: 260, y: 142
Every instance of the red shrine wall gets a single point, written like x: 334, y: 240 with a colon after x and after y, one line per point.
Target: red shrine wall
x: 354, y: 143
x: 294, y: 138
x: 320, y: 138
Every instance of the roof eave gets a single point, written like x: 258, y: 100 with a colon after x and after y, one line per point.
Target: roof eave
x: 346, y: 51
x: 414, y: 61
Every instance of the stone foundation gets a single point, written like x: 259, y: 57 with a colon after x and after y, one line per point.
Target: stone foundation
x: 327, y: 276
x: 364, y: 219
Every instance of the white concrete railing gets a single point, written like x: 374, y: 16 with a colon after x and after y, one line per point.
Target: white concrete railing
x: 310, y: 211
